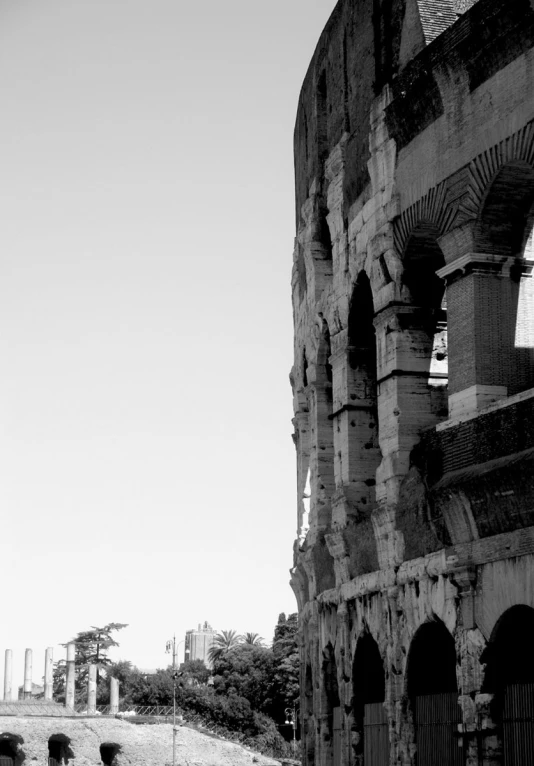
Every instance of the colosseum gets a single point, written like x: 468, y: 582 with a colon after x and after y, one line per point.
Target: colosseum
x: 413, y: 385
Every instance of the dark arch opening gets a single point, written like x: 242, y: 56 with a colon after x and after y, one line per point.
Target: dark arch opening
x: 369, y: 692
x: 108, y: 753
x: 361, y: 330
x: 308, y: 729
x: 432, y: 661
x: 509, y: 655
x: 59, y: 751
x: 510, y: 678
x: 11, y: 749
x: 331, y: 698
x: 368, y: 676
x: 422, y: 259
x: 433, y: 695
x: 322, y: 116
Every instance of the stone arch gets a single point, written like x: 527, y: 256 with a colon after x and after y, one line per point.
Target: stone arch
x: 364, y: 451
x: 322, y: 470
x: 433, y: 693
x: 428, y: 324
x: 504, y: 210
x: 330, y: 707
x: 369, y: 694
x: 509, y: 677
x: 59, y: 750
x: 109, y: 752
x: 357, y: 452
x: 504, y: 231
x: 308, y: 717
x: 11, y: 749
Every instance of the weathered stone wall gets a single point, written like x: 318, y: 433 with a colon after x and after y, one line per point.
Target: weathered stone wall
x: 414, y: 156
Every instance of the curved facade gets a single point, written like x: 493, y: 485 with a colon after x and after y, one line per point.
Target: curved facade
x: 413, y: 384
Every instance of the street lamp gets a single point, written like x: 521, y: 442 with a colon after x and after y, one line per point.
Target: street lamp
x: 291, y: 720
x: 171, y: 648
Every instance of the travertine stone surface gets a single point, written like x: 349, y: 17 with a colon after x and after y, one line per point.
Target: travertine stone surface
x: 413, y: 381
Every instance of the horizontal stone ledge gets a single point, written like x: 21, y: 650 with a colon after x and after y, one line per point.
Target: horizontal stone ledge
x: 445, y: 562
x: 363, y: 405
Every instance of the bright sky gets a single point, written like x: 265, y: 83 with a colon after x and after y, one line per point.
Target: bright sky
x: 148, y: 472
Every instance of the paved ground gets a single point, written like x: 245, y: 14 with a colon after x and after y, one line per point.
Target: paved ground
x: 139, y: 745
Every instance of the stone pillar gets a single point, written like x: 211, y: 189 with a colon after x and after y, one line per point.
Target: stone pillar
x: 71, y: 675
x: 114, y: 696
x: 481, y: 322
x: 27, y: 689
x: 91, y: 690
x: 48, y: 673
x: 8, y: 676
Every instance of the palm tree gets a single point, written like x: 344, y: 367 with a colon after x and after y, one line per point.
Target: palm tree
x: 223, y: 643
x: 253, y: 639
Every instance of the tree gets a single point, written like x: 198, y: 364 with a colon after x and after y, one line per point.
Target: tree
x: 253, y: 639
x: 92, y: 648
x: 194, y: 671
x: 223, y: 642
x: 247, y: 671
x: 287, y: 662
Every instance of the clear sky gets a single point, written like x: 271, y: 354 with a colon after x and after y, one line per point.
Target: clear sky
x: 146, y: 190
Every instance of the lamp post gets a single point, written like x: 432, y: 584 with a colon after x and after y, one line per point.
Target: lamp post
x: 291, y: 720
x: 171, y: 648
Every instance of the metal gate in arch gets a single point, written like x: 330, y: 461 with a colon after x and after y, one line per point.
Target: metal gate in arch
x: 6, y: 760
x: 375, y: 735
x: 518, y: 724
x: 436, y: 730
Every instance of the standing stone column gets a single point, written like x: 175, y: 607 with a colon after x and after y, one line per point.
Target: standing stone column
x: 27, y: 693
x: 91, y: 690
x: 114, y: 696
x: 48, y: 673
x: 71, y: 670
x: 8, y: 676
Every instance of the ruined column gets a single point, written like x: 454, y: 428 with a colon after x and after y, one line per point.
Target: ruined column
x: 27, y: 689
x: 91, y: 690
x: 8, y: 676
x: 48, y: 673
x: 114, y: 696
x: 69, y: 682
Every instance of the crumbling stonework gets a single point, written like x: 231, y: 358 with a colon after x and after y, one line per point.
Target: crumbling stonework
x: 413, y: 383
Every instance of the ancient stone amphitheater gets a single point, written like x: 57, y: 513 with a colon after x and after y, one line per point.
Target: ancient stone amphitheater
x: 413, y: 385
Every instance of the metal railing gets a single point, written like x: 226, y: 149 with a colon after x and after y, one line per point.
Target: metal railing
x: 160, y: 711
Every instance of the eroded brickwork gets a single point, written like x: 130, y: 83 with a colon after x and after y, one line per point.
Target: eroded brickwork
x: 413, y: 382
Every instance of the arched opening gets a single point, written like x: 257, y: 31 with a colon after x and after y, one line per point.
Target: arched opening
x: 428, y: 325
x: 369, y: 693
x: 308, y: 727
x: 510, y: 677
x: 364, y: 451
x: 355, y: 421
x: 504, y: 230
x: 108, y: 753
x: 433, y: 694
x: 59, y: 751
x: 331, y: 708
x: 322, y: 469
x: 11, y: 753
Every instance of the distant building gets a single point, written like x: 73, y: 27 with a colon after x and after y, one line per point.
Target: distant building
x: 198, y: 643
